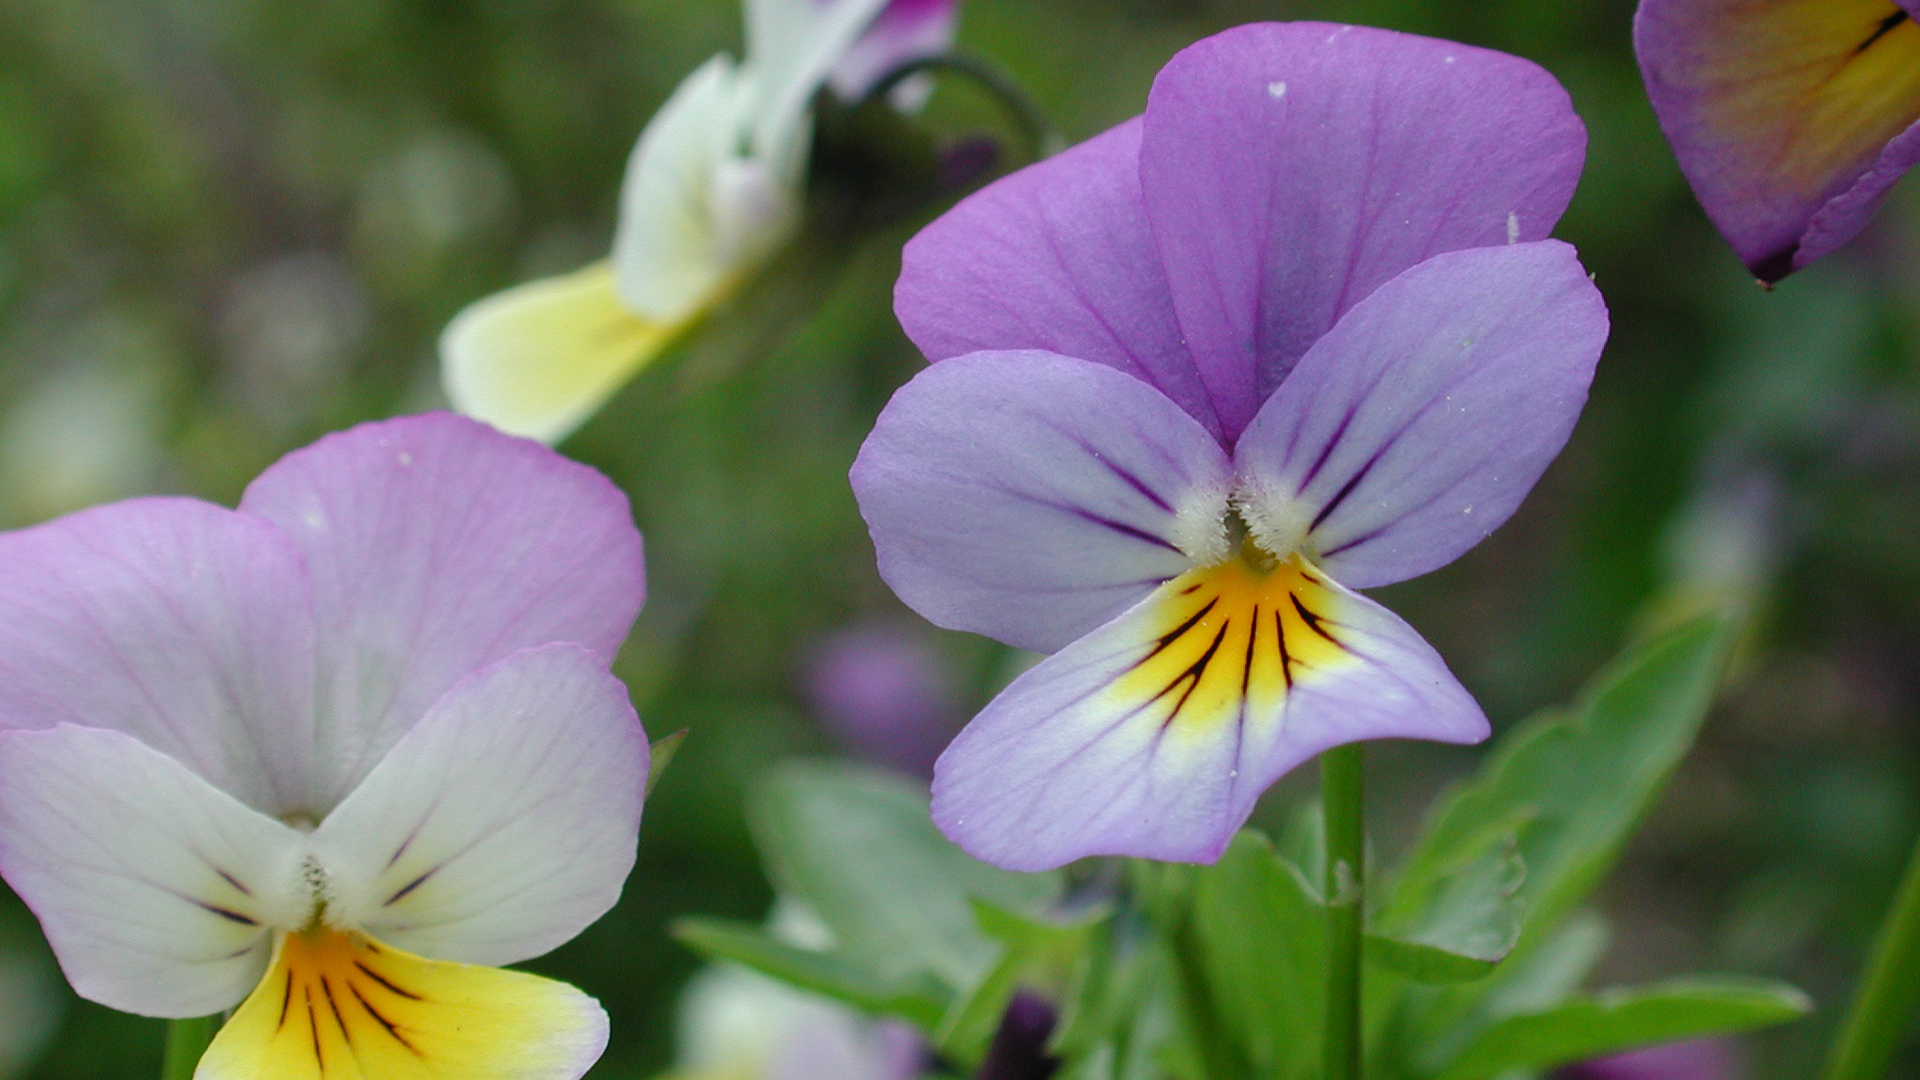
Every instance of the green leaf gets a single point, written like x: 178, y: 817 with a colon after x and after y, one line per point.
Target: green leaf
x: 1040, y: 954
x: 1468, y: 923
x: 1585, y: 778
x: 662, y: 756
x: 1616, y: 1020
x: 1261, y: 932
x: 1535, y: 981
x: 856, y: 845
x: 921, y: 1000
x: 1573, y: 784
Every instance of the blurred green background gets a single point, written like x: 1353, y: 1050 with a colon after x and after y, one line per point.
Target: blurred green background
x: 229, y: 226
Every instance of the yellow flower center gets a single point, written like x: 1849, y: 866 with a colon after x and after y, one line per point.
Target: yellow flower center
x: 1233, y: 638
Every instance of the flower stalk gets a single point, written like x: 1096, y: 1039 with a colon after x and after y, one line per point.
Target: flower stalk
x: 1889, y: 993
x: 1343, y: 793
x: 1043, y: 140
x: 187, y: 1040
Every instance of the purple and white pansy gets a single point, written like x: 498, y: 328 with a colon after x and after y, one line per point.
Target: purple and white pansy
x: 333, y: 756
x: 1296, y: 331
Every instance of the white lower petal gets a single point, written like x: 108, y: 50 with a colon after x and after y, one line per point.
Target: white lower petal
x: 503, y: 823
x: 157, y: 891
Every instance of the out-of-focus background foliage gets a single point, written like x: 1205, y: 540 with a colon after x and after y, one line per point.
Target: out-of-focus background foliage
x: 229, y: 226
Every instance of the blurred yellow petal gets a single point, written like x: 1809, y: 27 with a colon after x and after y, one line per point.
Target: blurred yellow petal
x: 538, y: 359
x: 340, y: 1006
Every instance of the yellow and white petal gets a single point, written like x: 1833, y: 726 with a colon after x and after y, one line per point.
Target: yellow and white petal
x: 538, y: 359
x: 1154, y: 735
x: 157, y: 890
x: 698, y: 206
x: 341, y: 1006
x: 503, y: 823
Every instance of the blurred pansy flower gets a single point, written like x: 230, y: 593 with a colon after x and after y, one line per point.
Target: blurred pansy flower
x: 1693, y: 1059
x: 1295, y: 331
x: 331, y: 757
x: 1791, y: 118
x: 715, y: 185
x: 884, y: 689
x: 737, y: 1024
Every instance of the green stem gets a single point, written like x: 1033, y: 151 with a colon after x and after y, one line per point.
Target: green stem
x: 186, y: 1041
x: 1343, y: 796
x: 1042, y: 139
x: 1889, y: 994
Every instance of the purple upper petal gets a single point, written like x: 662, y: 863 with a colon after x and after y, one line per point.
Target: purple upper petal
x: 1291, y: 169
x: 183, y: 624
x: 1031, y: 497
x: 1417, y: 426
x: 436, y: 545
x: 1790, y: 118
x: 1057, y: 256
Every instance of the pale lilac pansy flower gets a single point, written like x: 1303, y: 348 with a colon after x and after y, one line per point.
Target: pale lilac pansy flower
x: 714, y: 186
x: 1791, y: 118
x: 332, y: 757
x: 1296, y: 331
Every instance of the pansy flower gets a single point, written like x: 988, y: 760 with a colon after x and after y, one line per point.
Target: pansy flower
x: 1791, y: 118
x: 1294, y: 332
x: 737, y: 1024
x: 714, y: 186
x: 333, y: 756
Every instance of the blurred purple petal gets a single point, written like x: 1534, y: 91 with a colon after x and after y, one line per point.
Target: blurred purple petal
x: 437, y: 545
x: 882, y: 688
x: 1031, y: 497
x: 1332, y: 158
x: 1057, y: 256
x: 1790, y: 118
x: 1019, y: 1047
x: 907, y: 30
x: 1695, y: 1059
x: 1416, y: 427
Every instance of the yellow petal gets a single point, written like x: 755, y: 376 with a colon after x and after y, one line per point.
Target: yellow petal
x: 538, y: 359
x: 1230, y: 641
x: 340, y: 1006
